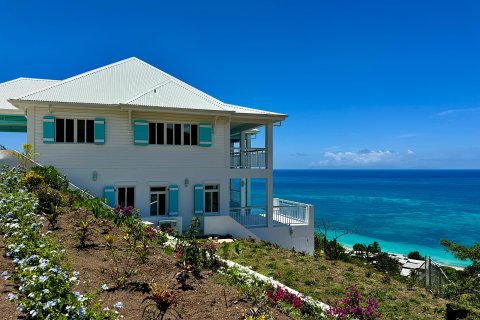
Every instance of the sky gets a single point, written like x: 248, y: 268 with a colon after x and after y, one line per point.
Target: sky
x: 366, y: 84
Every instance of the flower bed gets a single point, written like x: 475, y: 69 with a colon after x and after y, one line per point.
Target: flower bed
x: 45, y: 286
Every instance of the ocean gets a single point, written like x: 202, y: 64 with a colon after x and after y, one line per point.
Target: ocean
x: 404, y: 210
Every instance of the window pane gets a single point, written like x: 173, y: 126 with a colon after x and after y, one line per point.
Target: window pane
x: 131, y: 197
x: 90, y: 131
x: 194, y: 134
x: 162, y: 205
x: 178, y: 133
x: 160, y: 133
x: 69, y: 130
x: 186, y: 134
x: 208, y: 202
x: 152, y: 189
x: 152, y: 128
x: 59, y: 130
x: 215, y: 201
x: 121, y: 197
x: 81, y: 131
x: 153, y: 204
x: 169, y: 133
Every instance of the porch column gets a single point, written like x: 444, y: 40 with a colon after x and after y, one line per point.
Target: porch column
x: 269, y: 170
x: 243, y: 142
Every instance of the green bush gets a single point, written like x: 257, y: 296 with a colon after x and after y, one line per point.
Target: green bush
x: 333, y: 250
x: 385, y: 263
x: 52, y: 177
x: 50, y: 203
x: 415, y: 255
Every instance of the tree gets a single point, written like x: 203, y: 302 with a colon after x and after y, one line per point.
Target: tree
x: 360, y: 249
x: 333, y: 250
x: 415, y: 255
x: 462, y: 252
x: 24, y: 157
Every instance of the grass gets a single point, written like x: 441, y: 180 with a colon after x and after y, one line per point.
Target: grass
x: 328, y: 281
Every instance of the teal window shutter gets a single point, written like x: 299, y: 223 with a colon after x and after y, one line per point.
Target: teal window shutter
x: 198, y: 198
x: 109, y: 195
x: 173, y: 200
x: 48, y: 129
x: 140, y: 132
x: 206, y: 130
x: 99, y: 131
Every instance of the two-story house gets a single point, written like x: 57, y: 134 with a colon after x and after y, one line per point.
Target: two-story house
x: 134, y: 135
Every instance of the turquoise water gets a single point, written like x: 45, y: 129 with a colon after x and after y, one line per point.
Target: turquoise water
x: 404, y: 210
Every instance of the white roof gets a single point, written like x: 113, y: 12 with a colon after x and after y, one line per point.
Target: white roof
x: 17, y: 87
x: 131, y: 83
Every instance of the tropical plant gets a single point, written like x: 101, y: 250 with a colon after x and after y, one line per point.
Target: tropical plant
x: 123, y: 259
x: 84, y: 229
x: 383, y: 262
x: 25, y: 156
x: 163, y: 300
x: 353, y: 306
x: 52, y: 177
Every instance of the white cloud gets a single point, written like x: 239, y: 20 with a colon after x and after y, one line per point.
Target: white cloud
x: 362, y: 158
x: 458, y: 111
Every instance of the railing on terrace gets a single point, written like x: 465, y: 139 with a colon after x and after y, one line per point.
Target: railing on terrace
x: 250, y: 216
x: 251, y: 158
x: 287, y: 212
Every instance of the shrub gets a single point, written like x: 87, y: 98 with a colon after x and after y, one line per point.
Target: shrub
x: 333, y: 250
x: 354, y: 307
x: 123, y: 259
x: 32, y: 180
x: 163, y: 299
x: 50, y: 203
x: 360, y: 249
x: 83, y: 229
x: 385, y: 263
x: 52, y: 177
x: 415, y: 255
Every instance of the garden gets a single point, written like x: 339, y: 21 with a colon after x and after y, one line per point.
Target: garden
x: 67, y: 255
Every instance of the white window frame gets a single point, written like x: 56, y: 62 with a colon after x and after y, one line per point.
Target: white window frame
x: 117, y: 194
x: 157, y: 193
x: 207, y: 190
x: 182, y: 132
x: 75, y: 130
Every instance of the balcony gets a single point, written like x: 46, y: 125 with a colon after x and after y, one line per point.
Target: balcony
x: 248, y: 158
x: 285, y: 213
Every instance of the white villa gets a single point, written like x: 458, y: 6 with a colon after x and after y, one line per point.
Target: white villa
x: 134, y: 135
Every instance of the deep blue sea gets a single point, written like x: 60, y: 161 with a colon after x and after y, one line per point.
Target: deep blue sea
x: 404, y: 210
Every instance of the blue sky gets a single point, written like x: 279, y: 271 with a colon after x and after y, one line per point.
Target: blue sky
x: 366, y: 84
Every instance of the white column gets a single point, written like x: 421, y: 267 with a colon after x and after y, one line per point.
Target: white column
x: 269, y: 180
x: 243, y: 140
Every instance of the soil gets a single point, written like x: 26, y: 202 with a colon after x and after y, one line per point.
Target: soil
x: 206, y: 299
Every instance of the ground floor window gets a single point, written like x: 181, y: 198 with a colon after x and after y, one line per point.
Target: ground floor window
x: 126, y: 196
x: 158, y: 201
x: 211, y: 198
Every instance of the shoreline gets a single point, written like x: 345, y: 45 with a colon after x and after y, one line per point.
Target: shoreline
x: 403, y: 259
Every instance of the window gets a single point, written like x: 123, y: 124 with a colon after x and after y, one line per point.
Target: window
x: 211, y: 198
x: 173, y: 133
x: 158, y: 201
x: 126, y: 196
x: 74, y: 130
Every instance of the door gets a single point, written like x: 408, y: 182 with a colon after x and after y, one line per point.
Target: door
x: 158, y: 201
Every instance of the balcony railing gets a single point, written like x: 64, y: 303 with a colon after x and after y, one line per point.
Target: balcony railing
x: 285, y: 212
x: 251, y: 158
x: 250, y: 216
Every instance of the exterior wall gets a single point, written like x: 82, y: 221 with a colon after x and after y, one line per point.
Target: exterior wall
x: 121, y: 163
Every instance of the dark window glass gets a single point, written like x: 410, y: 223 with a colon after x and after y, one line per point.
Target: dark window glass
x: 178, y: 133
x: 160, y: 133
x: 153, y: 204
x: 169, y: 133
x: 214, y: 201
x: 121, y: 197
x: 59, y: 130
x: 81, y: 131
x: 186, y: 134
x: 152, y: 127
x: 208, y: 202
x: 194, y: 133
x: 131, y: 197
x: 90, y: 131
x: 69, y: 130
x: 162, y: 204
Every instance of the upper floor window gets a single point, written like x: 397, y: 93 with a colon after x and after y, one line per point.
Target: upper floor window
x: 74, y: 130
x: 173, y: 133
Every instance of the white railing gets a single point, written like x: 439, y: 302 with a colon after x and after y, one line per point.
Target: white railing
x: 250, y: 216
x: 287, y: 212
x: 251, y: 158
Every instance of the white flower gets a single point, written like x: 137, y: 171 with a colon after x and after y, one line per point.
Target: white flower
x: 118, y: 305
x: 105, y: 287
